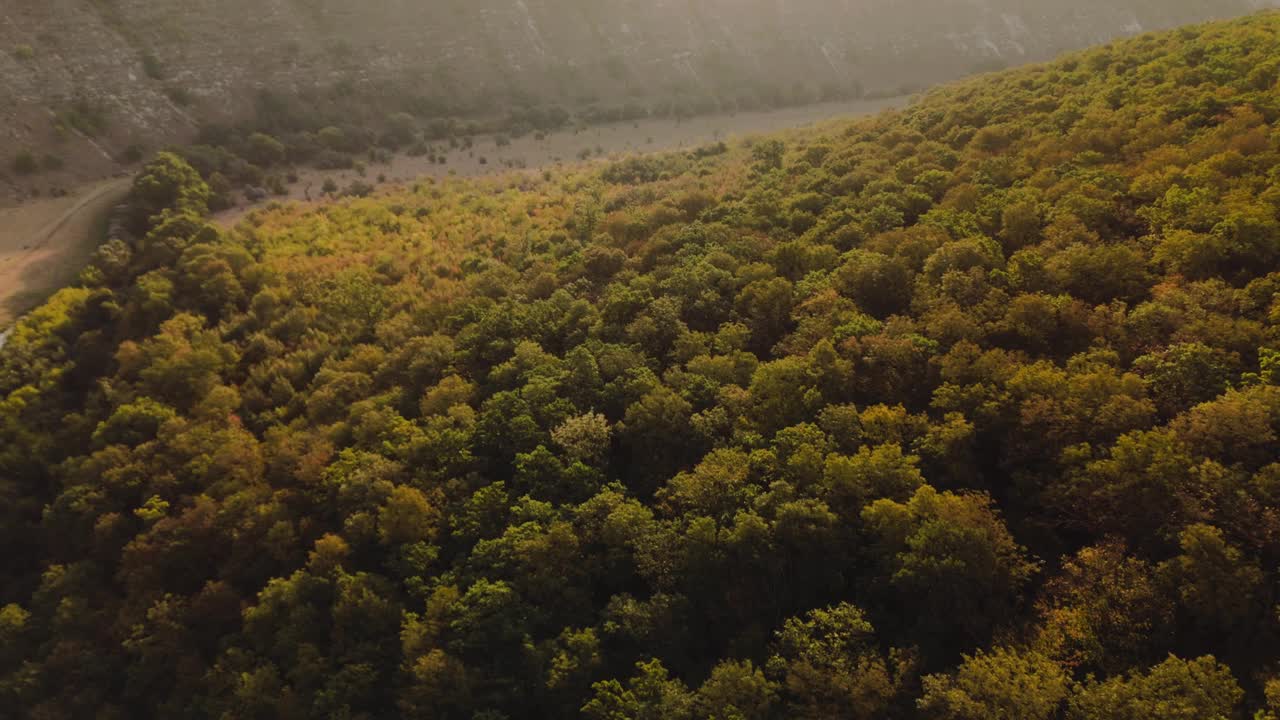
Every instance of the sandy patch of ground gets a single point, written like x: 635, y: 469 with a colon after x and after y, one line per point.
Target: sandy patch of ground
x: 569, y: 147
x: 44, y: 243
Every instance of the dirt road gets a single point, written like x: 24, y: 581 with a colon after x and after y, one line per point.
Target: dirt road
x: 45, y: 243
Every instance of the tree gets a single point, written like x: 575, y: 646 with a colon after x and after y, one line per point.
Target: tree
x: 1143, y: 489
x: 1240, y: 427
x: 1187, y: 374
x: 952, y: 564
x: 832, y: 666
x: 1004, y: 684
x: 766, y: 306
x: 736, y: 691
x: 851, y: 482
x: 1175, y: 689
x: 180, y: 364
x: 584, y: 438
x: 576, y: 660
x: 166, y: 183
x: 768, y: 155
x: 1020, y: 225
x: 782, y: 394
x: 407, y: 517
x: 718, y: 487
x: 402, y: 129
x: 655, y: 430
x: 650, y: 695
x: 134, y: 423
x: 881, y: 285
x: 1106, y: 611
x: 264, y: 150
x: 1215, y: 584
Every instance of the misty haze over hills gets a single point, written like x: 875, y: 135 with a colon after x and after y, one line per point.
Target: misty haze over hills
x: 145, y: 72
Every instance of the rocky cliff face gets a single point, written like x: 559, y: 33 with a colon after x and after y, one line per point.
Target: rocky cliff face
x: 84, y: 79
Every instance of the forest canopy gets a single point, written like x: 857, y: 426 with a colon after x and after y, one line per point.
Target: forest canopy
x: 964, y: 411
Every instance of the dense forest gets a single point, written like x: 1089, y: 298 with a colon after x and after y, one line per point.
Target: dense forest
x: 967, y: 411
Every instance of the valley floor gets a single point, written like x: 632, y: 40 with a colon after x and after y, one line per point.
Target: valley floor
x: 44, y: 243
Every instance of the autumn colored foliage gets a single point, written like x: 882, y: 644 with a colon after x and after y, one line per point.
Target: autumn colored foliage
x: 964, y: 411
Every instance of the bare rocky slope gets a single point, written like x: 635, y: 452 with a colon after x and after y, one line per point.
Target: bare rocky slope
x: 83, y: 80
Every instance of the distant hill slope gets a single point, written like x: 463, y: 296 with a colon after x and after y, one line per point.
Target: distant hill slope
x: 967, y: 411
x: 108, y: 74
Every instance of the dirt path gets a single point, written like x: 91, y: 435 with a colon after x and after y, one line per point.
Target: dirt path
x: 44, y: 244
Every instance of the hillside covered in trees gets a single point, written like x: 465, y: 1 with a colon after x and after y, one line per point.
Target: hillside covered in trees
x: 966, y: 411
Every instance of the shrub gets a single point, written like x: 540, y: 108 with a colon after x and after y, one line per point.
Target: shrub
x: 152, y: 66
x: 25, y: 163
x: 358, y: 188
x: 332, y: 138
x: 265, y: 150
x: 402, y: 129
x: 84, y: 117
x: 180, y: 96
x: 332, y: 160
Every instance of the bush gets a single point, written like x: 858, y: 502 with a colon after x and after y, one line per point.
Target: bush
x: 179, y: 96
x: 402, y: 129
x: 332, y: 160
x: 152, y: 66
x: 265, y: 150
x: 84, y: 117
x: 25, y: 163
x: 24, y: 53
x: 220, y: 192
x: 359, y: 189
x: 332, y: 138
